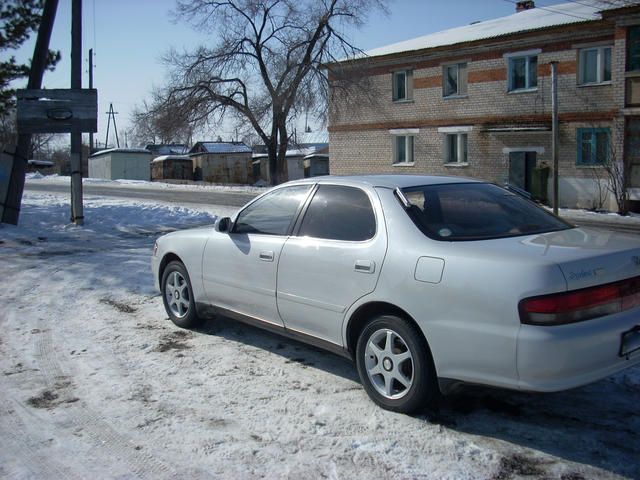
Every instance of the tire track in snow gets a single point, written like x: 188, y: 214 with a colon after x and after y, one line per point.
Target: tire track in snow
x: 109, y: 442
x: 15, y: 444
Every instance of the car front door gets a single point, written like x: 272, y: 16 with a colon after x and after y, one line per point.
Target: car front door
x: 334, y: 258
x: 239, y: 267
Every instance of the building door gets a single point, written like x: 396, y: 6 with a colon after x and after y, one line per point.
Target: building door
x: 521, y: 165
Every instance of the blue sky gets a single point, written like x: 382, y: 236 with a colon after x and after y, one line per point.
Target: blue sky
x: 130, y: 36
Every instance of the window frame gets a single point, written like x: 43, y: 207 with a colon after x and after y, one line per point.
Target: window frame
x: 462, y: 69
x: 409, y: 149
x: 460, y: 160
x: 580, y: 162
x: 408, y: 86
x: 527, y: 72
x: 261, y: 198
x: 307, y: 204
x: 600, y: 65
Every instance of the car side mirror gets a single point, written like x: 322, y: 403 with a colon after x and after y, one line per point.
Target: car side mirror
x: 223, y: 225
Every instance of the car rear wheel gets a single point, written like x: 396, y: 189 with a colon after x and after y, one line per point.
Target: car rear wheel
x: 395, y: 365
x: 177, y: 296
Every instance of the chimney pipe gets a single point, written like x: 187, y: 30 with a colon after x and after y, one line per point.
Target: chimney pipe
x: 525, y: 5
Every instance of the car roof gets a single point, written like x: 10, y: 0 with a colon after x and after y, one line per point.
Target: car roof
x: 389, y: 181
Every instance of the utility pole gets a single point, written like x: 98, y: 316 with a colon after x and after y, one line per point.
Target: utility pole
x: 77, y: 216
x: 90, y: 86
x: 555, y: 132
x: 111, y: 114
x: 11, y: 210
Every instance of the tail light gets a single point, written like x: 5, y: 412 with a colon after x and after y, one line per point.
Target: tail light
x: 579, y: 305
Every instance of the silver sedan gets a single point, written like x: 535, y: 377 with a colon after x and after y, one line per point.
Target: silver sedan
x: 426, y: 282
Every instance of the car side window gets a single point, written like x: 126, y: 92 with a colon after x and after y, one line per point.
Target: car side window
x: 339, y: 213
x: 272, y: 214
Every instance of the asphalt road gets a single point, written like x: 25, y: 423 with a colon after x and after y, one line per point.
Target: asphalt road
x: 238, y: 199
x: 179, y: 197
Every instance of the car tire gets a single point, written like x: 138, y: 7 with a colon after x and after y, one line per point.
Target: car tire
x: 177, y: 296
x: 395, y: 365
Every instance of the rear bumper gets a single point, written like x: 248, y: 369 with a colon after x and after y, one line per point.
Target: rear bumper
x: 566, y: 356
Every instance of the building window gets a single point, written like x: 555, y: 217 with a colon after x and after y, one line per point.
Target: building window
x: 402, y: 149
x: 523, y: 73
x: 402, y: 85
x: 593, y: 146
x: 454, y: 80
x: 633, y: 49
x: 455, y: 148
x: 595, y: 65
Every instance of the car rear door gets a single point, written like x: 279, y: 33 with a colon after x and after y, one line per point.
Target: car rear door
x: 333, y: 259
x: 239, y: 267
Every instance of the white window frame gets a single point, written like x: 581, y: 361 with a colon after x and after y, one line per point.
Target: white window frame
x: 462, y: 138
x: 527, y: 55
x: 409, y: 138
x: 600, y: 64
x: 408, y: 90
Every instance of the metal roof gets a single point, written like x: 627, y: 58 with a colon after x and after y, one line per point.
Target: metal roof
x: 221, y: 147
x: 533, y: 19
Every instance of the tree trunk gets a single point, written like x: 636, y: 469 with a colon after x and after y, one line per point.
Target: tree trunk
x: 272, y: 151
x: 281, y: 165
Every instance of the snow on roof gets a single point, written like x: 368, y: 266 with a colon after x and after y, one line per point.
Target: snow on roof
x: 164, y: 158
x: 313, y: 137
x: 222, y: 147
x: 121, y: 150
x: 532, y: 19
x: 316, y: 155
x: 291, y: 152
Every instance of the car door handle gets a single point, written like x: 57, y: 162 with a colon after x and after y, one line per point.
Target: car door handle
x: 266, y: 256
x: 365, y: 266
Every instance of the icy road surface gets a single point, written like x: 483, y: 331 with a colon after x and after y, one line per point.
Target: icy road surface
x: 96, y: 382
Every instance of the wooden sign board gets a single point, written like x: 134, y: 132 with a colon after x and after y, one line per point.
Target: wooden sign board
x: 57, y: 110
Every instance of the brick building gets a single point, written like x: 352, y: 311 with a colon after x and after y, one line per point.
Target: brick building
x: 475, y: 101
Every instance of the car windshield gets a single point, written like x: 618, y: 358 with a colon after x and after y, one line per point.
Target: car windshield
x: 476, y: 211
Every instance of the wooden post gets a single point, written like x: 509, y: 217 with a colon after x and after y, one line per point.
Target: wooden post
x: 11, y: 210
x: 90, y: 86
x: 77, y: 215
x: 555, y: 133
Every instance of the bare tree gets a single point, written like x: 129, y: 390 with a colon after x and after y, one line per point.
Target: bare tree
x: 266, y: 65
x: 157, y: 122
x: 617, y: 168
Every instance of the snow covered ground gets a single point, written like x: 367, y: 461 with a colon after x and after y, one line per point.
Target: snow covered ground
x: 95, y: 381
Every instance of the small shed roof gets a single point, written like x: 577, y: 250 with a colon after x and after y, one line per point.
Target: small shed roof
x: 164, y: 158
x: 526, y: 20
x: 220, y: 147
x: 121, y: 150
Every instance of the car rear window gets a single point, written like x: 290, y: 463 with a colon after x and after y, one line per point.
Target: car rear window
x: 476, y: 211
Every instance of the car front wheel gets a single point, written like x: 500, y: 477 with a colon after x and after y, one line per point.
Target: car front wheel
x: 395, y: 365
x: 177, y: 296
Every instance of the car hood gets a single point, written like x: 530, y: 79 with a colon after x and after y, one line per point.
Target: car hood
x: 585, y: 256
